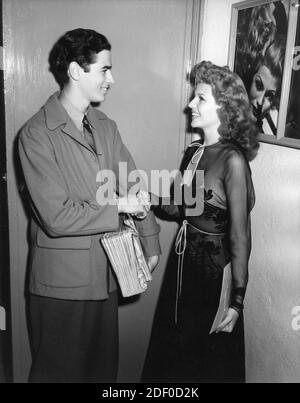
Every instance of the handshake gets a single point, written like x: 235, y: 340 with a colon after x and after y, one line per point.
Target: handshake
x: 137, y: 205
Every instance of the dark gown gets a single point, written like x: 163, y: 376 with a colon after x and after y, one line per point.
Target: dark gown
x: 183, y: 350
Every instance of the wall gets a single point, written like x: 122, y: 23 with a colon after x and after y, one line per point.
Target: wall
x: 149, y: 49
x: 272, y: 346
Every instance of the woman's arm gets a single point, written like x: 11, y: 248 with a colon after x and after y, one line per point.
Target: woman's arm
x: 237, y: 187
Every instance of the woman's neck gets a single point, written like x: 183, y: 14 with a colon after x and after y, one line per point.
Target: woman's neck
x: 211, y: 136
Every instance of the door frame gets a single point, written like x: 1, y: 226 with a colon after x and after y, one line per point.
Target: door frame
x: 6, y: 367
x: 193, y: 35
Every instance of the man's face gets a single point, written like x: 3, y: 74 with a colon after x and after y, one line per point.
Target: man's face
x: 94, y: 84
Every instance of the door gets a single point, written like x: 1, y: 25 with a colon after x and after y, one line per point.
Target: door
x: 5, y: 325
x: 152, y: 42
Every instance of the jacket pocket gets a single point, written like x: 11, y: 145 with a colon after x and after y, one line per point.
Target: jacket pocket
x: 61, y: 267
x: 80, y: 242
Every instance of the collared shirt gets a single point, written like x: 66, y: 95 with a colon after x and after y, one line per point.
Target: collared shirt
x: 75, y: 114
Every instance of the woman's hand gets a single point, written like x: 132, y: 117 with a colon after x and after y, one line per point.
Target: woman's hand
x: 152, y: 262
x: 228, y: 323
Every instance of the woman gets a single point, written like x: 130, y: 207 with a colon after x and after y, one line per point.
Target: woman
x: 256, y: 31
x: 181, y: 349
x: 265, y: 88
x: 261, y: 37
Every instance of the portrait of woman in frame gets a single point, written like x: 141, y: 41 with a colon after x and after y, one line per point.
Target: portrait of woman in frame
x: 259, y: 57
x: 292, y: 129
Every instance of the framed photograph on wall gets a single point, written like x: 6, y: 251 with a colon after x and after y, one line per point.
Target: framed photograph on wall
x: 265, y: 52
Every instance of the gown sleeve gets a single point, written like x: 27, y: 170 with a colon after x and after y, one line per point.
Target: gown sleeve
x: 165, y: 205
x: 238, y: 188
x: 172, y: 206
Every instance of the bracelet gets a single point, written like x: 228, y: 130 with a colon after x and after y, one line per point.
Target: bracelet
x: 237, y: 306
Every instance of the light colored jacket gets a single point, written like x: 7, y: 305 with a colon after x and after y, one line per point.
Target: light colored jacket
x: 67, y: 260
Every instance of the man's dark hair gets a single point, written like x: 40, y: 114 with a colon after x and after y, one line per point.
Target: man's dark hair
x: 79, y: 45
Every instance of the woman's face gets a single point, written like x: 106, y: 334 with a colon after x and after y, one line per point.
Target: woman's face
x: 263, y: 89
x: 204, y: 108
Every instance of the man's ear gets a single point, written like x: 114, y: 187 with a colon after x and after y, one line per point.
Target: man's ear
x: 74, y: 71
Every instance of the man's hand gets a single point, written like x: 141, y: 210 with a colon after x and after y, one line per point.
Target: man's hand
x: 228, y: 323
x: 144, y: 199
x: 132, y: 205
x: 152, y: 262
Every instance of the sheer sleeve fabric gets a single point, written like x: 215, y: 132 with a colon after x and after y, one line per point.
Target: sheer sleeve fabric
x: 239, y: 194
x: 166, y: 205
x: 172, y: 206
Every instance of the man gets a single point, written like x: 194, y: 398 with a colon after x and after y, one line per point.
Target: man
x: 72, y: 291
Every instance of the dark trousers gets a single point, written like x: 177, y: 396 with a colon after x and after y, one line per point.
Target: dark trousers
x: 73, y: 341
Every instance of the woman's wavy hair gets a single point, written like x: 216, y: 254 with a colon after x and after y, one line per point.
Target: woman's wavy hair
x: 235, y: 113
x: 256, y: 31
x: 79, y: 45
x: 274, y: 61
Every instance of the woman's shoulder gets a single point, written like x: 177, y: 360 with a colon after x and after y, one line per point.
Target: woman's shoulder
x: 234, y: 157
x: 231, y: 150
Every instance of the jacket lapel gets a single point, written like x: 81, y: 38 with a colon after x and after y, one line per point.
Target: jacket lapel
x: 56, y: 116
x: 71, y: 130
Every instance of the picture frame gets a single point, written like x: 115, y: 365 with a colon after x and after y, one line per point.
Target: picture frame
x: 264, y: 51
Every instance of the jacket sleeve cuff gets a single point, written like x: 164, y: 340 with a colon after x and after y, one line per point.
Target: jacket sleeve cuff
x: 151, y: 245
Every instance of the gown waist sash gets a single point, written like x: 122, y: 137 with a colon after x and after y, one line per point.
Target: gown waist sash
x: 180, y: 246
